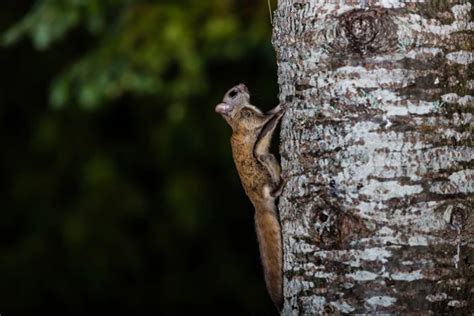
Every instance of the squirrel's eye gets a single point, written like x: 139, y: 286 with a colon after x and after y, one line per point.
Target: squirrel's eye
x: 232, y: 94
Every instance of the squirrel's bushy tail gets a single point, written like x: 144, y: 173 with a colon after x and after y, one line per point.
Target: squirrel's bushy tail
x: 269, y: 240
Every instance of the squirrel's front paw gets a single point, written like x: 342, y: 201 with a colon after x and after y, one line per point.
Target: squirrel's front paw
x: 278, y: 189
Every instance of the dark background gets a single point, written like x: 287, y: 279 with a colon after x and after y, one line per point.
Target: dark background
x: 117, y: 187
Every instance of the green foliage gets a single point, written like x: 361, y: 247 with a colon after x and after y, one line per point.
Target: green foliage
x: 118, y: 191
x: 143, y: 47
x: 49, y: 20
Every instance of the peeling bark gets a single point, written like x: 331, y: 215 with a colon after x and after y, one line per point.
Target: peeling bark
x: 377, y: 153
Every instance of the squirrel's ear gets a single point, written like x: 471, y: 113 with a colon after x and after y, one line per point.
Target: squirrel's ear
x: 223, y: 108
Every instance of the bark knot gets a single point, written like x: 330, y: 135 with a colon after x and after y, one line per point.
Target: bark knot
x: 361, y: 32
x: 367, y: 31
x: 361, y: 29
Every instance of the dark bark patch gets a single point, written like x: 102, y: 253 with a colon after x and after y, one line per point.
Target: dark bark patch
x: 350, y: 110
x: 424, y: 87
x: 338, y: 226
x: 444, y: 77
x: 289, y: 98
x: 329, y: 309
x: 302, y: 87
x: 323, y: 217
x: 299, y: 5
x: 436, y: 9
x: 361, y: 33
x: 351, y: 227
x: 423, y: 62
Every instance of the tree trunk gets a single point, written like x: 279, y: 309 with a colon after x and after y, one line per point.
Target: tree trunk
x: 376, y: 150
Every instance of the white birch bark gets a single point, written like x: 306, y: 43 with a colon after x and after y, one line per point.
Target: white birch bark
x: 377, y: 153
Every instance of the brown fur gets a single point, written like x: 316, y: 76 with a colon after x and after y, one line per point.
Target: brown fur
x: 259, y: 173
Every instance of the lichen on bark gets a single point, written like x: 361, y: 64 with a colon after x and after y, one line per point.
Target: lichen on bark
x: 377, y: 153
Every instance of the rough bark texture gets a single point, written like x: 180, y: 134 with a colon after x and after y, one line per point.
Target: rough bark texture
x: 376, y: 150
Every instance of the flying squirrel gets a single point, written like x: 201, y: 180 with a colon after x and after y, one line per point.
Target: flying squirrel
x: 259, y: 173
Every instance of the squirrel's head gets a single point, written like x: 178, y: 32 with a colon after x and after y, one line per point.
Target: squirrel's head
x: 238, y: 112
